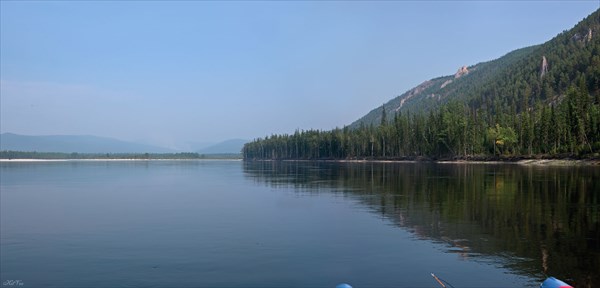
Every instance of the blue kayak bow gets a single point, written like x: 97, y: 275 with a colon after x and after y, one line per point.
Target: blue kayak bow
x: 550, y: 282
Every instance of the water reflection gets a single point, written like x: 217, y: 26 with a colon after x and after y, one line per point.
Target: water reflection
x: 533, y: 220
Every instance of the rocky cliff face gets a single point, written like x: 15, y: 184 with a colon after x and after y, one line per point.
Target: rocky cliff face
x: 583, y: 38
x: 461, y: 72
x: 446, y: 83
x: 415, y: 91
x: 544, y: 68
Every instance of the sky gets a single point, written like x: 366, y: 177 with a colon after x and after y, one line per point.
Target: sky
x: 180, y: 72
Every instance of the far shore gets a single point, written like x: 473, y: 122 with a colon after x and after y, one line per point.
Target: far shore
x: 529, y: 162
x: 115, y: 160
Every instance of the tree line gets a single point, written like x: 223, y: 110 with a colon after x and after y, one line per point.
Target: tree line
x: 570, y: 127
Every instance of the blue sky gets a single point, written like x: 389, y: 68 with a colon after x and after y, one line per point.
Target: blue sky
x: 172, y: 73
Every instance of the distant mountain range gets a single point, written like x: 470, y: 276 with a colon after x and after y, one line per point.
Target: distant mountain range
x: 74, y: 144
x: 232, y: 146
x: 95, y: 144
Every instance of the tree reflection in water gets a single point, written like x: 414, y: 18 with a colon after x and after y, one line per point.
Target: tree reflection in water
x: 536, y: 220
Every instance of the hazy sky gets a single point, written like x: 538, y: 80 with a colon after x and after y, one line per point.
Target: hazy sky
x: 169, y: 73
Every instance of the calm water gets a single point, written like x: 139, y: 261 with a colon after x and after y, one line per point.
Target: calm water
x: 296, y: 224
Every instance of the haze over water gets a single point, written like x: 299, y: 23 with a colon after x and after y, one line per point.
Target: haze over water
x: 296, y: 224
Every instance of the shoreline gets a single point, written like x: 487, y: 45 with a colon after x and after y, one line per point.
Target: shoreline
x: 524, y: 162
x: 511, y: 161
x: 112, y: 160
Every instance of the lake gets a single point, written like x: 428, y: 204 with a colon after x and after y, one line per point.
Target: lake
x: 296, y: 224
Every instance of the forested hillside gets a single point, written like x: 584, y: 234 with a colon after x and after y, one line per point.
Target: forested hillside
x: 433, y: 93
x: 540, y: 100
x: 516, y: 81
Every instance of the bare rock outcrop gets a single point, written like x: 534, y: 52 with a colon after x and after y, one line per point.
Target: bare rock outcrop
x: 461, y: 72
x: 584, y: 37
x: 415, y: 91
x: 446, y: 83
x: 544, y: 68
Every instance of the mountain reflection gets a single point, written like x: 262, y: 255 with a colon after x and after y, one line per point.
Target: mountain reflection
x: 533, y: 220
